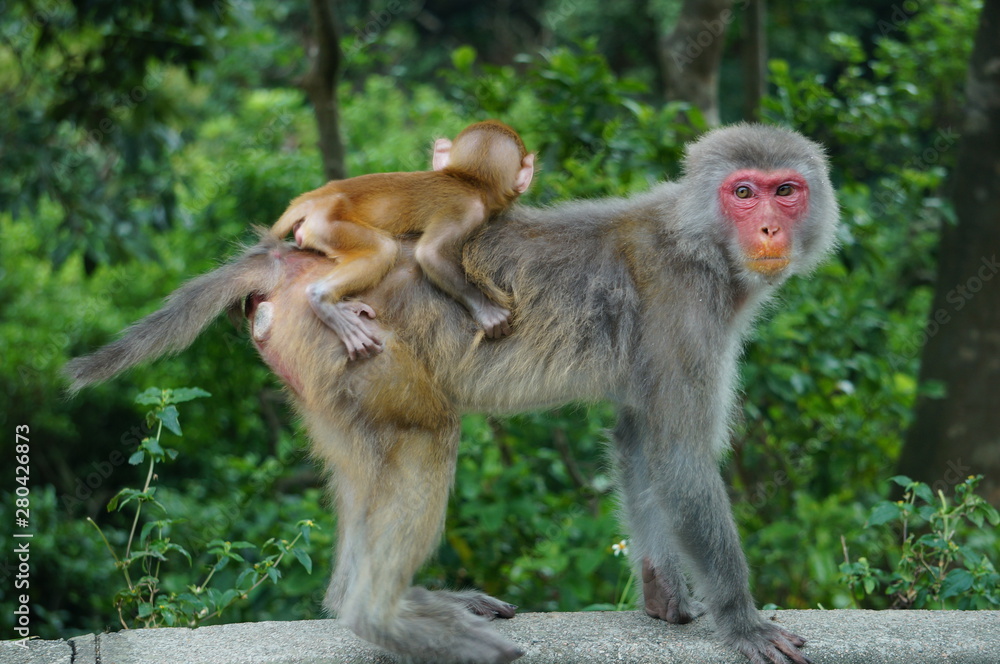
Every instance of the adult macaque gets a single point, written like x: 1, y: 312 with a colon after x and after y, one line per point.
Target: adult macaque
x: 644, y: 301
x: 357, y: 221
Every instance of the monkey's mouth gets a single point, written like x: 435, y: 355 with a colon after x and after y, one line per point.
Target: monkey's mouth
x: 768, y: 265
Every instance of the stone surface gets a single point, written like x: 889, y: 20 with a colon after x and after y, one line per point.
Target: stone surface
x: 842, y: 637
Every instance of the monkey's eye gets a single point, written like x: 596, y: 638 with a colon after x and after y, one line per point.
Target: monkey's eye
x: 785, y: 190
x: 743, y: 191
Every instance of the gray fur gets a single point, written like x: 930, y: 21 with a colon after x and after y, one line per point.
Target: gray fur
x: 180, y: 320
x: 644, y: 301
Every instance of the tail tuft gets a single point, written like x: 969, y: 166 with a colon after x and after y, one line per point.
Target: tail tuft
x: 185, y: 313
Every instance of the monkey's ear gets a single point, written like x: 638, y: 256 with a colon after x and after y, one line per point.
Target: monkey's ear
x: 523, y: 178
x: 442, y: 154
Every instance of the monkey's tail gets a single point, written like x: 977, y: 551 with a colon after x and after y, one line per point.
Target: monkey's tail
x: 183, y: 316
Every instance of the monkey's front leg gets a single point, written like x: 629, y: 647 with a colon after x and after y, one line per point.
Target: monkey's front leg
x: 695, y: 498
x: 676, y: 503
x: 665, y: 593
x: 439, y: 253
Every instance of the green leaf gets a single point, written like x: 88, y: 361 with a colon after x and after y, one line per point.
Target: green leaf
x: 245, y: 579
x: 170, y: 418
x: 274, y: 574
x: 228, y: 598
x: 924, y: 492
x: 145, y: 609
x: 182, y: 394
x: 927, y: 512
x: 150, y: 397
x: 184, y: 552
x: 989, y: 511
x: 113, y: 503
x: 600, y: 607
x: 137, y: 457
x: 901, y: 480
x: 152, y: 445
x: 146, y: 527
x: 957, y: 582
x: 303, y: 558
x: 191, y: 599
x: 933, y: 541
x: 884, y: 512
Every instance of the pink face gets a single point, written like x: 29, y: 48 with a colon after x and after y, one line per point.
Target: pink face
x: 765, y: 206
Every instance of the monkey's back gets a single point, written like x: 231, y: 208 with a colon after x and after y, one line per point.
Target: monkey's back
x: 575, y: 302
x: 398, y: 203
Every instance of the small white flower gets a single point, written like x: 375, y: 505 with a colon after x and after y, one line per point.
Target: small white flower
x: 620, y: 547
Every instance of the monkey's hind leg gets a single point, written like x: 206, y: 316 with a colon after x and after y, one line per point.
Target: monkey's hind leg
x: 363, y: 255
x: 479, y: 603
x: 392, y: 490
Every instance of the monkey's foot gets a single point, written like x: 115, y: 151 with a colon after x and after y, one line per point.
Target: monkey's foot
x: 666, y: 600
x: 480, y: 604
x: 493, y: 318
x: 351, y: 321
x: 770, y: 644
x: 432, y: 627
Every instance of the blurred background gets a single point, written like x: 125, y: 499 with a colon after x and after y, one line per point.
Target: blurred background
x: 139, y: 141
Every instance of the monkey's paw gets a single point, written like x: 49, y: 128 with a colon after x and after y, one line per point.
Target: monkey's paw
x: 663, y: 601
x: 435, y: 628
x: 480, y: 604
x: 351, y: 320
x: 494, y: 319
x: 771, y: 644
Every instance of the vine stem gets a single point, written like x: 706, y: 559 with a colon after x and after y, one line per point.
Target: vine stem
x: 145, y: 488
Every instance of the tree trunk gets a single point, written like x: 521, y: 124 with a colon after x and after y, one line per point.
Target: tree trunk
x: 320, y: 84
x: 691, y: 54
x: 754, y: 56
x: 959, y: 435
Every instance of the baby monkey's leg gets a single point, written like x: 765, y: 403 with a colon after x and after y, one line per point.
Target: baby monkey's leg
x: 363, y: 255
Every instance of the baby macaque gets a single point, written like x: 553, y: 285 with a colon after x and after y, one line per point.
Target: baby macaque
x: 356, y: 222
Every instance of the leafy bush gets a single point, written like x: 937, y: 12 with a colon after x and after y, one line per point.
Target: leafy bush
x: 943, y: 557
x: 147, y: 601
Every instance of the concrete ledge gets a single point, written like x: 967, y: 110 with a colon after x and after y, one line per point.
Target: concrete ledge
x: 844, y: 637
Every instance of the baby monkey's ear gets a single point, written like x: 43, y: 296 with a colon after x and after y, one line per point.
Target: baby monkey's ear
x: 442, y: 154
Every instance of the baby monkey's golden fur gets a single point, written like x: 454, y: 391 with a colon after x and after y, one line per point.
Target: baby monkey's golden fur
x: 357, y: 221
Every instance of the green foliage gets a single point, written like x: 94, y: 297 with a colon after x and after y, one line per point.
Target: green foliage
x: 942, y: 556
x: 593, y: 133
x: 88, y: 110
x: 537, y: 486
x: 145, y: 601
x: 829, y: 379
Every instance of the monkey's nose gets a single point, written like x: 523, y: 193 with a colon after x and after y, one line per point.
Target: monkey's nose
x: 770, y: 231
